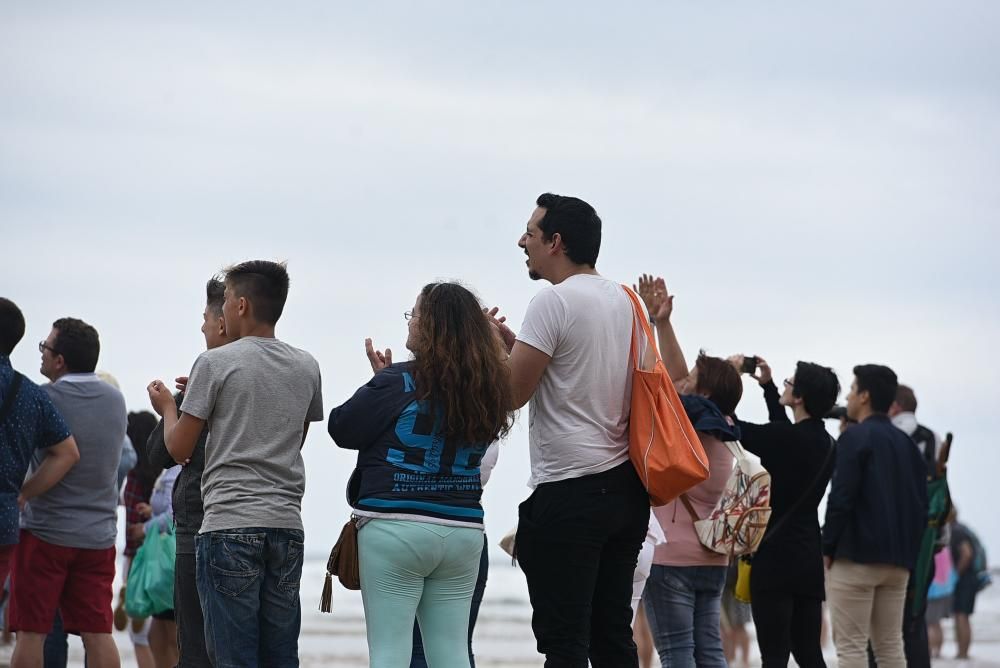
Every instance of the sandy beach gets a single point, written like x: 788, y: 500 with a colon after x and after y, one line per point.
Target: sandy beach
x: 503, y: 635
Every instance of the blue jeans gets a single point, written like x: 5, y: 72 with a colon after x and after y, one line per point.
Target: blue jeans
x: 683, y: 605
x: 248, y: 582
x: 419, y: 660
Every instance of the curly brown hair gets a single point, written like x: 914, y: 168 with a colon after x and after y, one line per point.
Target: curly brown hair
x: 460, y: 367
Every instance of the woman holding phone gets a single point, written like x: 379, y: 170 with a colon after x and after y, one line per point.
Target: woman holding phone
x: 787, y: 580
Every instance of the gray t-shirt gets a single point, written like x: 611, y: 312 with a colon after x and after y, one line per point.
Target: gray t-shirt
x: 256, y: 394
x: 81, y: 510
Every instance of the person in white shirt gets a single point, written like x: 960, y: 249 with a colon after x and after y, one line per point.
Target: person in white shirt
x: 571, y: 360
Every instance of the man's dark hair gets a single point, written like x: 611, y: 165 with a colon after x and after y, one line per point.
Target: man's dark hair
x: 906, y: 399
x: 78, y: 343
x: 215, y: 292
x: 720, y: 381
x: 11, y: 326
x: 817, y: 386
x: 262, y: 283
x: 576, y: 222
x: 879, y: 382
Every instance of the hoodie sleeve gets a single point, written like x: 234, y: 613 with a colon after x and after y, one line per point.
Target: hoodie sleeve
x: 373, y: 409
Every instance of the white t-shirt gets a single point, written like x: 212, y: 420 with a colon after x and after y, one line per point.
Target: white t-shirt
x: 578, y: 416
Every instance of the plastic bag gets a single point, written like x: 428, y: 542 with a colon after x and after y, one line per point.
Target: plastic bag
x: 150, y: 586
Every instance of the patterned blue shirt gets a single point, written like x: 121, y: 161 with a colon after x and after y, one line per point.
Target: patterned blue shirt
x: 32, y: 423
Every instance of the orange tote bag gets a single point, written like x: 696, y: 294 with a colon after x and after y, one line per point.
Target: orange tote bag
x: 663, y: 445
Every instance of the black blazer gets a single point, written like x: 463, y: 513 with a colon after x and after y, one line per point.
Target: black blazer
x: 797, y: 457
x: 877, y: 510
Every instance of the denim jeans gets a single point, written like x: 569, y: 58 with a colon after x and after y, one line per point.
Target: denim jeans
x: 419, y: 660
x: 56, y: 651
x: 683, y: 605
x: 248, y: 582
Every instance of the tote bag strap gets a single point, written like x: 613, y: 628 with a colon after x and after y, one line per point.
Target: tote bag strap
x: 639, y: 315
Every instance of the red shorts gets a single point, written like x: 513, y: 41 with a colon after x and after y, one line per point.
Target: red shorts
x: 75, y: 581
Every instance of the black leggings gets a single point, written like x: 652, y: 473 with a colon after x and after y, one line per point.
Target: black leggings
x: 788, y: 623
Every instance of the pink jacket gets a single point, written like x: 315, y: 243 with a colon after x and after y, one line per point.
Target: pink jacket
x: 683, y: 547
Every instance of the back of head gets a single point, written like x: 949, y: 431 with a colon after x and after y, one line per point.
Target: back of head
x: 458, y: 365
x: 818, y: 388
x: 720, y: 382
x: 880, y: 382
x: 140, y: 426
x: 576, y: 222
x: 906, y: 399
x: 262, y: 283
x: 215, y: 296
x: 78, y: 344
x: 11, y: 326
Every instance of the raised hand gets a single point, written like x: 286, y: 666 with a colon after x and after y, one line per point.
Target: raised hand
x: 653, y: 291
x: 763, y: 375
x: 159, y: 397
x: 378, y: 359
x: 507, y: 335
x: 181, y: 382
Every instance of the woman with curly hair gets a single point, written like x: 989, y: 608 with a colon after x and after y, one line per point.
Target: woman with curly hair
x: 421, y: 429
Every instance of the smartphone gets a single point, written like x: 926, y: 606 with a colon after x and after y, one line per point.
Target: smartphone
x: 749, y: 364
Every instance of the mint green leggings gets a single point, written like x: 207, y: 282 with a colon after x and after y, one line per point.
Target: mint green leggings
x: 418, y: 569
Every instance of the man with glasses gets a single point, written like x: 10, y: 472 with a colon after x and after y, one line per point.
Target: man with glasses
x: 65, y: 560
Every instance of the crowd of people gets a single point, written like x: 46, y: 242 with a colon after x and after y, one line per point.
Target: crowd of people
x: 222, y: 471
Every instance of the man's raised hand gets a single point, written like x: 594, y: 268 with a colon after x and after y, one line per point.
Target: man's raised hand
x: 507, y: 335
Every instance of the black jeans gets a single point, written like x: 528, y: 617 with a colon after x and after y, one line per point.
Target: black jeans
x: 578, y: 542
x: 187, y: 614
x: 418, y: 660
x: 787, y: 623
x: 56, y: 651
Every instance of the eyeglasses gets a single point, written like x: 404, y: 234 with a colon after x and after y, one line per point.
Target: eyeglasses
x: 409, y: 315
x: 789, y: 383
x: 42, y: 347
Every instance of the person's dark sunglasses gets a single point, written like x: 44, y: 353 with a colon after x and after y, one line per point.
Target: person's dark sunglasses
x: 42, y: 347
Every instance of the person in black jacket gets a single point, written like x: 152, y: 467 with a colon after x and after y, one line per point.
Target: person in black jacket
x: 875, y: 518
x: 188, y: 507
x: 787, y: 578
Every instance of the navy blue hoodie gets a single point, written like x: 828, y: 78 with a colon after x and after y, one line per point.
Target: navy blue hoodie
x: 406, y: 469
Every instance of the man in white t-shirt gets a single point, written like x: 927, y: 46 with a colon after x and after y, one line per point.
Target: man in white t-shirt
x: 580, y: 531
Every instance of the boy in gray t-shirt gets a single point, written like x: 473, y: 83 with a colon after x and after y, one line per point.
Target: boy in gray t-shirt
x: 257, y: 396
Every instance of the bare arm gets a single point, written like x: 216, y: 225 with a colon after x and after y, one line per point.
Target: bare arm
x: 527, y: 364
x: 59, y: 459
x: 180, y: 434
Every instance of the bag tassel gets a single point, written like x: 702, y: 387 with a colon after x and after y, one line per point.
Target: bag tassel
x: 327, y: 597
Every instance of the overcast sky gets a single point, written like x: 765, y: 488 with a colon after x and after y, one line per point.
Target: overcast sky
x: 815, y: 183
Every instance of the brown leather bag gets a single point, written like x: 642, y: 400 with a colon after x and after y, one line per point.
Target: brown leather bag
x: 343, y: 563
